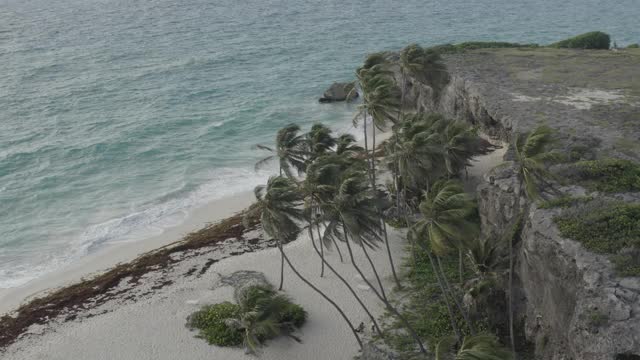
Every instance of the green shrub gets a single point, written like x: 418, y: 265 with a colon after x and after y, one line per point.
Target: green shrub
x: 608, y: 175
x: 210, y: 320
x: 473, y: 45
x: 295, y: 315
x: 606, y: 228
x: 633, y: 46
x: 602, y: 227
x: 565, y: 202
x: 590, y: 40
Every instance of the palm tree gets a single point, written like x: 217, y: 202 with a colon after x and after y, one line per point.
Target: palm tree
x: 278, y: 204
x: 353, y: 211
x: 319, y: 140
x: 345, y: 282
x: 478, y: 347
x: 445, y: 210
x: 346, y: 145
x: 380, y: 101
x: 424, y: 65
x: 460, y: 144
x: 291, y: 151
x: 530, y: 157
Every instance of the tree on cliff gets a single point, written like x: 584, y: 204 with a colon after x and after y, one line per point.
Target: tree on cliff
x: 530, y: 157
x: 443, y: 227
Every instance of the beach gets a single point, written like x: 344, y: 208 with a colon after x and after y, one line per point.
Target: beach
x: 145, y: 319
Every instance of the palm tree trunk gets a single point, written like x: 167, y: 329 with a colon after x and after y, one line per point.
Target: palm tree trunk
x: 414, y: 255
x: 335, y: 243
x: 444, y: 292
x: 344, y: 316
x: 366, y: 143
x: 281, y: 266
x: 373, y: 153
x: 375, y: 272
x: 321, y: 252
x: 460, y: 266
x: 453, y: 296
x: 346, y: 283
x: 393, y: 268
x: 387, y: 304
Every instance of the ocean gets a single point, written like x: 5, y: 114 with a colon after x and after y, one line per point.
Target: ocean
x: 117, y: 118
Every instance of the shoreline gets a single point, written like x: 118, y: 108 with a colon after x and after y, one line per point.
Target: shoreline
x: 105, y: 259
x: 159, y: 289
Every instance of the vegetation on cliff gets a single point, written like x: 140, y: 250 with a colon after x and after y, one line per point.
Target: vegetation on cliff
x: 590, y: 40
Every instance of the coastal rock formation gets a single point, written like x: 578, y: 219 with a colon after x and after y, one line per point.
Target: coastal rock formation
x: 569, y: 303
x: 339, y: 92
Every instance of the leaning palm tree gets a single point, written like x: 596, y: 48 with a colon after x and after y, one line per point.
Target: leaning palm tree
x: 380, y: 101
x: 346, y: 145
x: 320, y: 141
x: 531, y: 153
x: 319, y: 185
x: 291, y: 151
x: 445, y: 226
x: 460, y: 143
x: 352, y: 215
x: 278, y: 204
x: 530, y: 156
x: 424, y: 65
x: 478, y: 347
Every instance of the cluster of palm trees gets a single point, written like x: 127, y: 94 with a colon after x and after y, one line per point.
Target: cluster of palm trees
x: 329, y: 186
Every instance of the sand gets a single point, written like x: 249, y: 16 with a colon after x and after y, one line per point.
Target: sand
x: 148, y: 321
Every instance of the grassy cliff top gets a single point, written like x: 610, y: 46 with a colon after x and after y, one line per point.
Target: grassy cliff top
x: 591, y: 94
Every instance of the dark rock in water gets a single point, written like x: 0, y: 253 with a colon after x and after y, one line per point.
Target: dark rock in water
x: 339, y: 92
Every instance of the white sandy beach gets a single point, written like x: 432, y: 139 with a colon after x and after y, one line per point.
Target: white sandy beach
x: 148, y: 322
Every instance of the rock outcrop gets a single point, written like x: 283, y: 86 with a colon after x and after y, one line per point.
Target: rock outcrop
x: 569, y: 302
x: 339, y: 92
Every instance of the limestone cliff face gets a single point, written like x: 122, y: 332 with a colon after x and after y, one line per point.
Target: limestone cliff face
x: 570, y: 302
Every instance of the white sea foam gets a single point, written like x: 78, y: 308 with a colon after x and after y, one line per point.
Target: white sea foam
x: 138, y: 225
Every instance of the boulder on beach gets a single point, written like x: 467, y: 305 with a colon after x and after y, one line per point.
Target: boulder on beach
x: 339, y: 92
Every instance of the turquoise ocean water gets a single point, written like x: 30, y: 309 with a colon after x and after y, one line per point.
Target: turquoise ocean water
x: 119, y: 117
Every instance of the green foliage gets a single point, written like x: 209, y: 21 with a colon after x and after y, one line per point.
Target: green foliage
x: 590, y: 40
x: 607, y: 175
x: 607, y: 228
x: 210, y: 320
x: 565, y: 201
x: 634, y: 46
x: 426, y: 308
x: 531, y: 156
x: 474, y: 45
x: 597, y: 319
x: 397, y: 223
x: 262, y: 314
x: 294, y: 314
x: 478, y: 347
x: 627, y: 263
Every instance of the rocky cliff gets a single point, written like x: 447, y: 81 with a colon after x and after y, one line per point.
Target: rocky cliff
x: 569, y: 302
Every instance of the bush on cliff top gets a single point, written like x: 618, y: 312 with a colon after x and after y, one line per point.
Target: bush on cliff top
x: 606, y: 175
x: 590, y: 40
x: 473, y: 45
x: 606, y: 228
